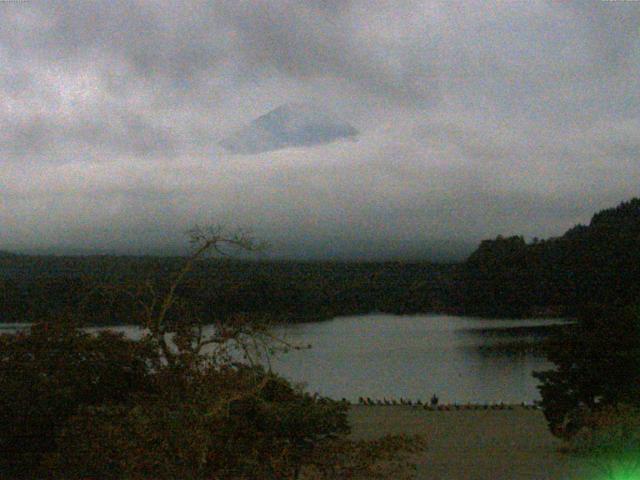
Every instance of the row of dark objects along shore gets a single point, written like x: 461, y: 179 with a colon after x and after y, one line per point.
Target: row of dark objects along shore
x: 446, y: 407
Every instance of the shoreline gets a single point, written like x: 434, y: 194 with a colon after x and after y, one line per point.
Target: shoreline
x: 444, y: 407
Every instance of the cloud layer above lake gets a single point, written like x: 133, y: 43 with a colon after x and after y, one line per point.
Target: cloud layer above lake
x: 474, y: 119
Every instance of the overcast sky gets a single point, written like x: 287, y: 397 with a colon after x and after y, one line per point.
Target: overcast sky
x: 475, y: 119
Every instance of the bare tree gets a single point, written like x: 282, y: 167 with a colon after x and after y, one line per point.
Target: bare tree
x: 175, y: 326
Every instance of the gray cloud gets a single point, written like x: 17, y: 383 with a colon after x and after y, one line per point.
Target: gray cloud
x: 475, y: 118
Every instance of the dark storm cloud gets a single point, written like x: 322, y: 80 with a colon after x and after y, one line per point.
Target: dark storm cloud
x: 475, y: 118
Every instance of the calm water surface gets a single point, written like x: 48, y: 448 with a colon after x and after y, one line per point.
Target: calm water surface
x: 458, y: 358
x: 461, y: 359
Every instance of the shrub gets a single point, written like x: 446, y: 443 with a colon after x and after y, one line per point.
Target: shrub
x: 176, y: 404
x: 229, y: 423
x: 597, y: 364
x: 47, y: 373
x: 270, y: 431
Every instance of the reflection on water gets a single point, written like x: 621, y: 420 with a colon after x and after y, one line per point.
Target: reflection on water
x: 460, y: 359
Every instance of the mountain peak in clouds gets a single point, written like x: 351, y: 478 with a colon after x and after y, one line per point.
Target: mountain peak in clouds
x: 289, y: 125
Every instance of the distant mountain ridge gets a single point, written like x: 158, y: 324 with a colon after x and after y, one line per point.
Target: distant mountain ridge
x: 289, y: 125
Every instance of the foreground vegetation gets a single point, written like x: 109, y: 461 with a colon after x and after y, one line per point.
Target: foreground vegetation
x: 77, y: 406
x: 591, y: 398
x: 597, y: 365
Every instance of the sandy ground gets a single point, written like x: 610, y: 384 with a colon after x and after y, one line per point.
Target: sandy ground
x: 476, y: 445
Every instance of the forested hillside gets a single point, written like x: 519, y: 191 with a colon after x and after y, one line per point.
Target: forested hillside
x: 598, y: 263
x: 33, y: 287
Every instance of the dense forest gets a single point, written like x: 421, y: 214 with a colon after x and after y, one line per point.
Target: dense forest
x: 36, y: 287
x: 597, y: 263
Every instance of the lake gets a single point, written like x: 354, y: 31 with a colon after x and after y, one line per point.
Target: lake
x: 460, y: 359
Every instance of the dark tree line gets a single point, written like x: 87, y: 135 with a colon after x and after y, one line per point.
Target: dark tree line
x: 598, y: 263
x: 507, y: 276
x: 284, y: 291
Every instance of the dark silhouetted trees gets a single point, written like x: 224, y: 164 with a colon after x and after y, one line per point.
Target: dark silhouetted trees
x: 597, y: 263
x: 597, y: 364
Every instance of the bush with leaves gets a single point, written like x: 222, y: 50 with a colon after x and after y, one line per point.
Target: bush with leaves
x: 196, y: 411
x: 597, y: 364
x: 48, y: 373
x: 247, y: 424
x: 228, y: 423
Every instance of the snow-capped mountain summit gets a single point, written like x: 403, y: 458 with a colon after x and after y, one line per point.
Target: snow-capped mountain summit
x: 289, y: 125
